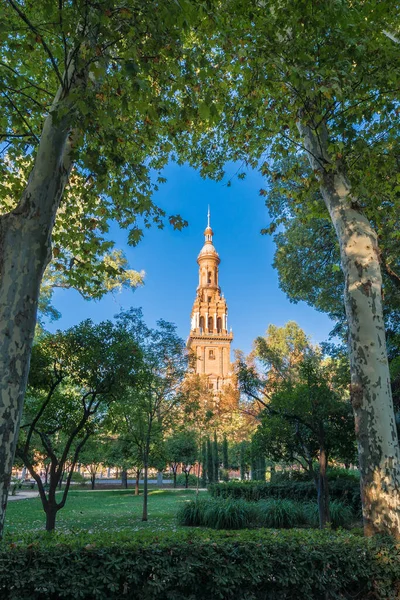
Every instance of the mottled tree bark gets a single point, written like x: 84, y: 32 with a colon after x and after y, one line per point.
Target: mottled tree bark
x: 25, y: 250
x: 376, y: 433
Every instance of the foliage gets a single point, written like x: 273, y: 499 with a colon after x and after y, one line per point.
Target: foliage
x: 215, y: 453
x: 198, y: 565
x: 74, y: 378
x: 123, y: 115
x: 191, y: 479
x: 346, y: 491
x: 218, y: 513
x: 210, y: 462
x: 225, y: 458
x: 146, y: 410
x: 341, y: 515
x: 181, y: 448
x: 279, y: 513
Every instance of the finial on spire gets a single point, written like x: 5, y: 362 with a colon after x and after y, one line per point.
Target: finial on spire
x: 208, y: 217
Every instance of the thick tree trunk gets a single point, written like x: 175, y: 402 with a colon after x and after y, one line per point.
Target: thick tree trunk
x: 124, y: 478
x: 51, y: 514
x: 93, y: 480
x: 376, y: 433
x: 25, y: 250
x: 174, y: 478
x: 323, y: 490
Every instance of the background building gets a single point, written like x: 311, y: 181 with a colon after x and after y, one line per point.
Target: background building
x: 209, y: 338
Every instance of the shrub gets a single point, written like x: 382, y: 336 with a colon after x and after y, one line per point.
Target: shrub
x: 199, y: 565
x: 181, y: 480
x: 218, y: 513
x: 281, y: 514
x: 78, y: 477
x: 344, y: 490
x: 229, y: 513
x: 341, y: 514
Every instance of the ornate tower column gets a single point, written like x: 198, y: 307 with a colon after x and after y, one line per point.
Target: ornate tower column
x: 209, y: 334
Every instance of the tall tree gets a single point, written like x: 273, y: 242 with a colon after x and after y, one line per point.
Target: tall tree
x: 225, y: 458
x: 320, y: 80
x: 92, y: 98
x: 216, y: 460
x: 210, y: 462
x: 156, y: 394
x: 74, y: 377
x: 181, y: 449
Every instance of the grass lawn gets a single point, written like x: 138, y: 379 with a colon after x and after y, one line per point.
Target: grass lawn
x: 96, y: 511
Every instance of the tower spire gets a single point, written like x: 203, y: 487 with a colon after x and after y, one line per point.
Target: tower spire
x: 208, y: 217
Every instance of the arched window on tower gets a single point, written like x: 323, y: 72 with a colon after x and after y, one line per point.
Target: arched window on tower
x: 202, y: 323
x: 209, y: 277
x: 219, y: 324
x: 210, y: 324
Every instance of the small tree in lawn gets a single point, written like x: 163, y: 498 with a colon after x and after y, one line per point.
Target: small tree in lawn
x: 181, y: 449
x: 149, y: 405
x: 93, y: 454
x: 74, y: 377
x: 305, y: 420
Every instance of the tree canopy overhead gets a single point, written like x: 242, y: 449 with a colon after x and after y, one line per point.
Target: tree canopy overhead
x: 318, y: 81
x: 93, y: 96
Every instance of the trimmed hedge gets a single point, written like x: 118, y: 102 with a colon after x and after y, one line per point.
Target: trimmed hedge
x: 228, y: 513
x: 343, y: 490
x: 202, y: 565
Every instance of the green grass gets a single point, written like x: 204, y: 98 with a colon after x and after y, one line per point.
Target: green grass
x: 98, y: 511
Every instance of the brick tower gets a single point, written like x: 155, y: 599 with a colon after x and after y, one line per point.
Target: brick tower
x: 209, y: 338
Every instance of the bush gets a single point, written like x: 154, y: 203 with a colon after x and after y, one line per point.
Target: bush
x: 228, y: 513
x: 77, y: 477
x: 281, y: 514
x: 219, y: 513
x: 181, y: 480
x: 341, y: 514
x: 344, y: 490
x: 198, y: 565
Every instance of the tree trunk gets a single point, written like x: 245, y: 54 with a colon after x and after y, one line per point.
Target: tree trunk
x: 323, y: 490
x: 371, y: 396
x: 25, y: 250
x: 186, y: 480
x: 124, y: 478
x: 145, y: 489
x: 174, y: 478
x: 93, y: 480
x: 51, y: 514
x: 137, y: 482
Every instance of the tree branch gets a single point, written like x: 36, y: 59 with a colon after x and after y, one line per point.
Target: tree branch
x: 45, y: 46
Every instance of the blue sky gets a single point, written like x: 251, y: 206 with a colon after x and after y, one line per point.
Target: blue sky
x: 168, y: 257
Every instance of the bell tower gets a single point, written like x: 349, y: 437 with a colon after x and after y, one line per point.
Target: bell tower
x: 209, y: 338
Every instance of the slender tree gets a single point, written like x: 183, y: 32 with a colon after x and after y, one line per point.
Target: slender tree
x: 216, y: 460
x: 210, y: 462
x: 204, y: 464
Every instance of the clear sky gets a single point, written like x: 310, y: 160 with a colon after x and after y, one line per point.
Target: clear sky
x: 168, y: 257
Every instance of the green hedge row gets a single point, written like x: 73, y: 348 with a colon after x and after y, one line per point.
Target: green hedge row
x: 343, y: 490
x: 202, y: 565
x: 278, y: 513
